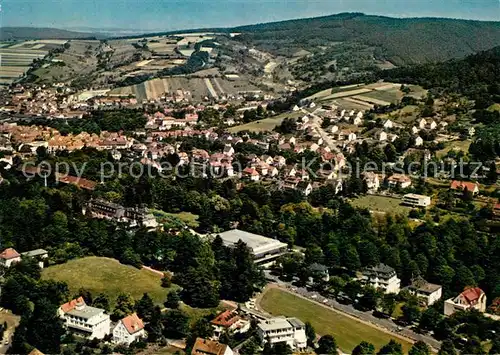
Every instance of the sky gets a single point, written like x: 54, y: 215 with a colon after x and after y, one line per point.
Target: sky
x: 164, y: 15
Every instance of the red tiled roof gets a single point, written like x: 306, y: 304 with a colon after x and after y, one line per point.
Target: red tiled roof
x: 9, y: 253
x: 461, y: 185
x: 226, y: 319
x: 208, y: 347
x: 80, y: 182
x: 133, y: 323
x: 69, y: 306
x: 472, y: 294
x: 250, y: 171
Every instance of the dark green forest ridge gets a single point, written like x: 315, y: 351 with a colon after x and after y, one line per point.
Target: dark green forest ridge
x: 401, y: 41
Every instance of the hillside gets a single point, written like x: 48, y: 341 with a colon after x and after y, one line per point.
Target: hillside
x: 28, y: 33
x: 401, y: 41
x: 108, y: 276
x: 476, y: 76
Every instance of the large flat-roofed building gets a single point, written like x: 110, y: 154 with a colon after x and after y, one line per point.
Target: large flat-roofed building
x: 265, y: 250
x: 416, y: 200
x: 290, y: 331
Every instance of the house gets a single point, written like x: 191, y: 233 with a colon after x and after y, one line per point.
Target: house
x: 415, y: 200
x: 496, y: 212
x: 283, y: 330
x: 228, y: 150
x: 418, y: 141
x: 381, y: 277
x: 388, y: 124
x: 128, y: 330
x: 470, y: 298
x: 251, y: 173
x: 399, y: 180
x: 380, y: 136
x: 210, y: 347
x: 87, y: 321
x: 422, y: 123
x: 414, y: 130
x: 333, y: 129
x: 372, y: 181
x: 462, y: 186
x: 432, y: 125
x: 229, y: 321
x: 38, y: 254
x: 305, y: 187
x: 9, y: 256
x: 357, y: 121
x: 318, y: 271
x: 427, y: 292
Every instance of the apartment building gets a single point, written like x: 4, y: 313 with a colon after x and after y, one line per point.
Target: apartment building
x: 283, y: 330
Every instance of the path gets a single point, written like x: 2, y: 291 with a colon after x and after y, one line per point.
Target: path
x: 153, y: 270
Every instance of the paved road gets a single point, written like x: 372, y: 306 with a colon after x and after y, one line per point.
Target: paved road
x: 316, y: 124
x: 386, y: 324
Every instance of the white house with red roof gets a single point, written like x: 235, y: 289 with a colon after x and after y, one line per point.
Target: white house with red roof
x: 128, y: 330
x: 87, y: 321
x: 470, y: 298
x: 9, y: 256
x: 460, y: 186
x: 229, y: 321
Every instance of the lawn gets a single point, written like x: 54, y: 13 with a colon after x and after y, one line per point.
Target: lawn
x: 347, y: 331
x: 267, y: 124
x: 188, y: 218
x: 454, y: 145
x: 107, y: 275
x: 381, y: 204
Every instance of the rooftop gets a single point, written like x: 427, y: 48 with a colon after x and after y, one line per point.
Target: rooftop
x: 9, y: 253
x: 274, y: 324
x: 208, y: 347
x: 420, y: 284
x: 132, y: 323
x: 86, y: 312
x: 258, y: 243
x: 35, y: 252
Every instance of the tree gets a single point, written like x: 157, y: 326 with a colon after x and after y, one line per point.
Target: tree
x: 175, y: 324
x: 45, y: 328
x: 411, y: 312
x: 200, y: 329
x: 364, y: 348
x: 370, y: 298
x: 154, y: 328
x: 391, y: 348
x: 145, y: 307
x: 310, y: 334
x: 388, y: 303
x: 173, y: 300
x: 419, y: 348
x: 123, y: 307
x: 447, y: 348
x: 492, y: 175
x: 250, y: 347
x: 327, y: 345
x: 102, y: 301
x: 430, y: 319
x: 495, y: 346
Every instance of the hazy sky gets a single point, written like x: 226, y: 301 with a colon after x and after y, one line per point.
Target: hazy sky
x: 183, y: 14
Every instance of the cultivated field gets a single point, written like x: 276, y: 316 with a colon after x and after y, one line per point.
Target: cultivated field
x: 195, y: 88
x: 107, y: 275
x: 347, y: 331
x: 267, y: 124
x: 381, y: 204
x: 16, y: 58
x: 364, y: 97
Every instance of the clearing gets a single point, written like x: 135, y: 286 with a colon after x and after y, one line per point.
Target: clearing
x: 347, y: 331
x: 188, y: 218
x: 384, y: 204
x: 266, y: 124
x: 454, y: 145
x: 98, y: 274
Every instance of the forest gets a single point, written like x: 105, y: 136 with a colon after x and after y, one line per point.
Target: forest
x: 401, y: 41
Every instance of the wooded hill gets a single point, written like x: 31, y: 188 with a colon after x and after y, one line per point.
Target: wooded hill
x: 401, y: 41
x: 29, y: 33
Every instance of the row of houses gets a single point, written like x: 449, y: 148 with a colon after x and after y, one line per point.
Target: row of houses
x: 93, y: 323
